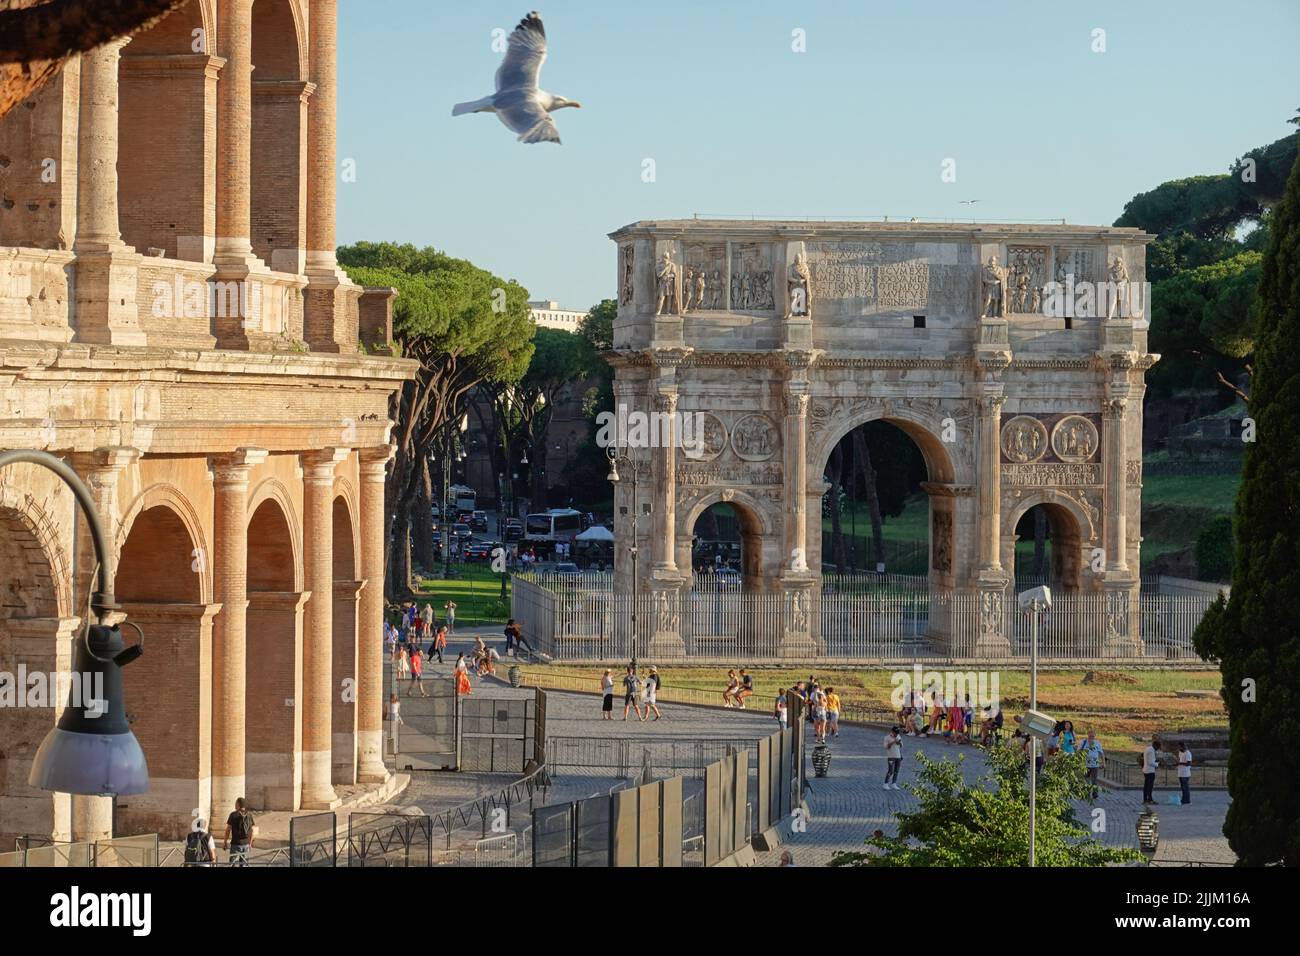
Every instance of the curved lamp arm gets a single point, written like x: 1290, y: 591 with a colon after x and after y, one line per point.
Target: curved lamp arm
x: 102, y: 599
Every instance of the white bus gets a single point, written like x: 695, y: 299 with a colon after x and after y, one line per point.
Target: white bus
x: 463, y: 498
x: 551, y: 527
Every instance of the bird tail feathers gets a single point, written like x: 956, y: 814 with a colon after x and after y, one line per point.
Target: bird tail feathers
x: 473, y: 106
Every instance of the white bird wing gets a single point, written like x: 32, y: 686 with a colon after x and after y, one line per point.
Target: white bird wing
x: 524, y: 56
x: 522, y: 112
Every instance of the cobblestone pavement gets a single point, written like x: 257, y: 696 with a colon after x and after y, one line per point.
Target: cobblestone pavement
x: 845, y: 806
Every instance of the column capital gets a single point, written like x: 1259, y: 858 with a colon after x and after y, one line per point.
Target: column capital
x: 319, y: 464
x: 374, y: 461
x: 108, y: 459
x: 1114, y: 409
x: 233, y: 467
x: 666, y: 400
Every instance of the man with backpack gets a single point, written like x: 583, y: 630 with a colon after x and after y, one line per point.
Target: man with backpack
x: 200, y: 848
x: 239, y: 833
x: 631, y: 692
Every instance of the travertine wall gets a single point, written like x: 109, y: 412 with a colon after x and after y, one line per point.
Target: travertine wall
x: 786, y: 336
x: 152, y: 332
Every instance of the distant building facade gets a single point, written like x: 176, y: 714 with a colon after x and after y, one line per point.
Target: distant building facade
x: 548, y: 314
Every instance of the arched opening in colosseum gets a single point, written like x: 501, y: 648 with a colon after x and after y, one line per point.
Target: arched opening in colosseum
x: 344, y: 663
x: 166, y: 138
x: 273, y: 660
x: 278, y: 186
x: 169, y: 689
x: 28, y: 642
x: 726, y: 548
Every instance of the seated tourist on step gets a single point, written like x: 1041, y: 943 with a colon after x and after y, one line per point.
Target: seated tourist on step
x: 732, y: 689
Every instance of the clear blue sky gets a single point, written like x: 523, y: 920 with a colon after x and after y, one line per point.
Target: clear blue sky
x: 1040, y: 126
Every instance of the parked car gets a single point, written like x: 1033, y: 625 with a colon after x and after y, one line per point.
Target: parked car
x: 514, y: 530
x: 461, y: 530
x: 568, y: 569
x: 478, y: 521
x: 480, y: 550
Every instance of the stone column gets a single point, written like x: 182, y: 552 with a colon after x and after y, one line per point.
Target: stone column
x: 234, y: 131
x: 322, y: 165
x: 318, y: 639
x: 105, y: 305
x: 991, y: 639
x: 230, y: 590
x: 795, y: 441
x: 990, y: 476
x: 1116, y: 536
x: 370, y: 618
x: 665, y: 548
x: 92, y: 817
x: 329, y: 322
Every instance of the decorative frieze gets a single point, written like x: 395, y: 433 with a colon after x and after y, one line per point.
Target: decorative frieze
x: 1051, y: 474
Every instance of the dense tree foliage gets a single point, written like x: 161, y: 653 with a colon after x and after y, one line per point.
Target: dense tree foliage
x: 464, y: 326
x: 1254, y: 634
x: 986, y: 822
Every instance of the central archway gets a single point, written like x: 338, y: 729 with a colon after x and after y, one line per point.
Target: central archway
x: 907, y: 584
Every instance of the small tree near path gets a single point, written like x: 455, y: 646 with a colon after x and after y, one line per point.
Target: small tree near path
x: 986, y: 823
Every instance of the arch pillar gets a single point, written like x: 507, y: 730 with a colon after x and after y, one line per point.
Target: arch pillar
x: 273, y: 733
x: 991, y: 632
x: 370, y: 617
x: 92, y: 817
x: 318, y: 640
x: 343, y: 726
x: 44, y: 645
x: 229, y: 649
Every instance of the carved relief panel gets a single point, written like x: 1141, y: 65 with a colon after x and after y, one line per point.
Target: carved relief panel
x: 625, y: 267
x: 1027, y: 276
x: 752, y: 288
x: 704, y: 275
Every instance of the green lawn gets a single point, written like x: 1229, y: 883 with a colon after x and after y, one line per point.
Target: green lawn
x: 476, y: 591
x: 1218, y: 493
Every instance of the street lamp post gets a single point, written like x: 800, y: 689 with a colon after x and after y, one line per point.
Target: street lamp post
x: 1036, y: 601
x: 612, y: 453
x: 92, y: 751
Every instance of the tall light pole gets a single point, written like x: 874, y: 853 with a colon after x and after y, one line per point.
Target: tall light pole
x: 1036, y: 601
x: 612, y: 453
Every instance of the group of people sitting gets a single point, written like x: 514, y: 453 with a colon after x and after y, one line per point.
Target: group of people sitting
x: 738, y: 689
x: 955, y: 719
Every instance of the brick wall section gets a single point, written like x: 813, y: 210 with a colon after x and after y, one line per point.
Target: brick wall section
x: 162, y: 117
x: 33, y: 212
x: 278, y: 188
x: 375, y: 319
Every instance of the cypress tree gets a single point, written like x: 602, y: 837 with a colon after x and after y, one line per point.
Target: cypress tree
x: 1256, y: 633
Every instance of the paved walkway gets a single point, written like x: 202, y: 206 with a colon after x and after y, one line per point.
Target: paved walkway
x: 846, y: 806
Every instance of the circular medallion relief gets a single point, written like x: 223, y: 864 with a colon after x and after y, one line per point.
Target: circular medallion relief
x: 754, y: 438
x: 703, y: 436
x: 1024, y: 439
x: 1074, y: 438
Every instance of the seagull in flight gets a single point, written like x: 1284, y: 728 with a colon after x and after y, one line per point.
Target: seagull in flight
x: 518, y: 102
x: 968, y: 202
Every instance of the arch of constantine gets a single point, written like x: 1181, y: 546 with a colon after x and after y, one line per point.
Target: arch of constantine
x: 174, y: 323
x: 781, y: 337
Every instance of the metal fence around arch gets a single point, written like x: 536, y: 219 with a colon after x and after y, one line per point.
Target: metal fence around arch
x: 851, y: 622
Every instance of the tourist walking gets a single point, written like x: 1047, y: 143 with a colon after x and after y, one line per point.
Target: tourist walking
x: 607, y: 695
x: 1093, y: 757
x: 450, y: 609
x: 439, y: 644
x: 832, y: 712
x: 780, y: 713
x: 403, y: 663
x: 1149, y: 763
x: 631, y: 691
x: 1185, y: 772
x: 893, y: 759
x: 651, y: 693
x: 427, y: 616
x: 240, y: 826
x: 394, y: 717
x: 461, y: 672
x: 417, y: 673
x: 200, y: 847
x: 819, y: 714
x: 1067, y: 738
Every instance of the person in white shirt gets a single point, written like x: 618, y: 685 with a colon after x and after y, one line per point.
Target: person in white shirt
x: 1185, y: 772
x: 1149, y: 763
x: 394, y: 716
x: 893, y: 759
